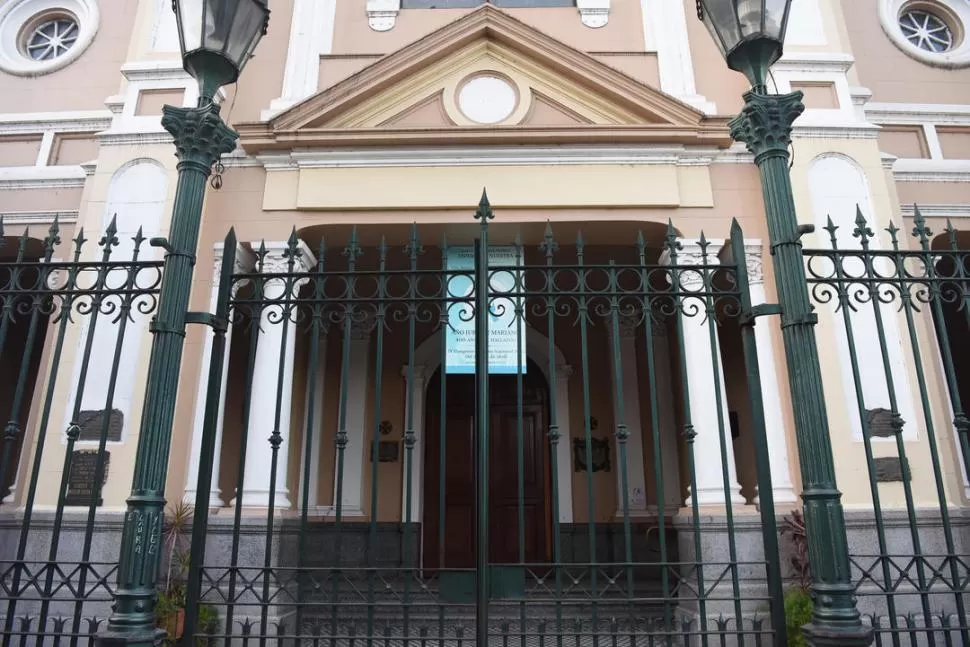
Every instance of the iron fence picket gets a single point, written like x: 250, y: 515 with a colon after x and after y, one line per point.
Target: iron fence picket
x: 884, y: 286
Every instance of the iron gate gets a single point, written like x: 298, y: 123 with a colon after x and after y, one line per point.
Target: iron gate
x: 363, y: 518
x: 465, y: 538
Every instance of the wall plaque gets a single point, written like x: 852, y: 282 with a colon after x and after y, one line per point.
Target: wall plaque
x: 91, y: 421
x: 388, y: 451
x: 890, y: 470
x: 601, y: 454
x: 881, y: 423
x: 80, y: 481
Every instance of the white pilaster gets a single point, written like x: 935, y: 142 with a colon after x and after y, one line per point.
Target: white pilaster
x: 564, y: 448
x: 705, y: 382
x: 666, y: 21
x: 627, y: 346
x: 353, y: 398
x: 669, y: 449
x: 274, y: 356
x: 781, y: 484
x: 414, y: 411
x: 311, y: 36
x: 244, y: 262
x: 319, y: 369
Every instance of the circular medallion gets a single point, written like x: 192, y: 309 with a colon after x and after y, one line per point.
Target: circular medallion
x: 487, y: 99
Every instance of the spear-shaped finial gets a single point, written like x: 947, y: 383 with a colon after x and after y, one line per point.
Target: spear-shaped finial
x: 862, y: 230
x: 414, y: 247
x: 484, y: 211
x: 137, y: 239
x: 548, y: 246
x: 53, y: 239
x: 920, y: 230
x: 951, y: 235
x: 78, y: 241
x: 261, y: 256
x: 353, y: 251
x: 703, y: 243
x: 110, y: 237
x: 893, y: 235
x: 831, y: 227
x: 670, y: 240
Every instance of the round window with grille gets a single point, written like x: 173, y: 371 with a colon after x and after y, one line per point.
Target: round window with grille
x: 41, y: 36
x: 49, y: 37
x: 926, y: 30
x: 933, y: 32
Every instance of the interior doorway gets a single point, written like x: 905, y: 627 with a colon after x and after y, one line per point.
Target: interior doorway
x: 451, y: 544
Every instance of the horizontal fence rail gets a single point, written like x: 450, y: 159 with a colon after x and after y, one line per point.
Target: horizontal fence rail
x: 898, y: 314
x: 68, y: 330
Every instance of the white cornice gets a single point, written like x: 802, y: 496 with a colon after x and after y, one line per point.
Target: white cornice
x: 931, y: 170
x: 814, y: 62
x: 62, y: 122
x: 42, y: 177
x: 822, y: 130
x: 937, y: 210
x: 38, y: 217
x: 491, y: 156
x: 918, y: 113
x: 131, y: 138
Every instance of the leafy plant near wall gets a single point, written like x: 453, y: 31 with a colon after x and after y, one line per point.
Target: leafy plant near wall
x: 171, y: 600
x: 798, y: 599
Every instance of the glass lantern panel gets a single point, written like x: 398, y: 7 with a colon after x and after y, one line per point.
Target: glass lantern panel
x: 218, y: 22
x: 776, y: 18
x: 246, y: 31
x: 750, y: 16
x: 720, y: 16
x: 189, y: 14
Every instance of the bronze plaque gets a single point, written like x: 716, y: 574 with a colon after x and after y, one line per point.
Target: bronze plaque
x: 80, y: 482
x: 91, y: 422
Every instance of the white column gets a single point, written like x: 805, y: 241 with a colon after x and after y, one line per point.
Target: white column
x: 564, y: 449
x: 311, y: 36
x: 320, y: 370
x: 416, y: 405
x: 244, y: 262
x: 665, y: 27
x: 627, y: 345
x: 781, y: 484
x: 353, y: 396
x: 703, y: 385
x: 266, y: 395
x: 669, y: 447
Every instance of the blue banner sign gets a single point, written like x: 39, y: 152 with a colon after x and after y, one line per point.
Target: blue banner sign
x: 506, y: 333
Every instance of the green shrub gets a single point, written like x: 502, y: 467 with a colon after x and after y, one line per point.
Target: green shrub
x: 798, y: 612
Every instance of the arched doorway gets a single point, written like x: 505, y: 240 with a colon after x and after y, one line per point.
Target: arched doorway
x: 449, y: 475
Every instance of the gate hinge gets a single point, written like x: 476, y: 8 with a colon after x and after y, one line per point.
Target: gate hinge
x: 218, y: 324
x: 763, y: 310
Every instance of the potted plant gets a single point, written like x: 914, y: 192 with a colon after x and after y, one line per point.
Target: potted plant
x: 798, y: 598
x: 170, y: 605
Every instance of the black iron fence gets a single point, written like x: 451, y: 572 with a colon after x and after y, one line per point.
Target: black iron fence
x: 588, y: 433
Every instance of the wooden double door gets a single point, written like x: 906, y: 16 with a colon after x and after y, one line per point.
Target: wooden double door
x: 457, y: 550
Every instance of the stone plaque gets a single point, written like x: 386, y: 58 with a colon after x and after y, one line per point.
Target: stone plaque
x: 91, y: 422
x: 881, y: 423
x: 890, y: 470
x: 388, y: 451
x: 80, y: 482
x: 601, y: 454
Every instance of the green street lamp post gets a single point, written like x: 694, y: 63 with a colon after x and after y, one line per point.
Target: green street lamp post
x: 750, y: 35
x: 217, y: 39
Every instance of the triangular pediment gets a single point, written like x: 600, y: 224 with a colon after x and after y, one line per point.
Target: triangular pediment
x: 528, y: 87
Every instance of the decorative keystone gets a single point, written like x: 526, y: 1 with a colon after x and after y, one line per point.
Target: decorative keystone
x: 765, y: 122
x: 382, y: 14
x: 594, y: 13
